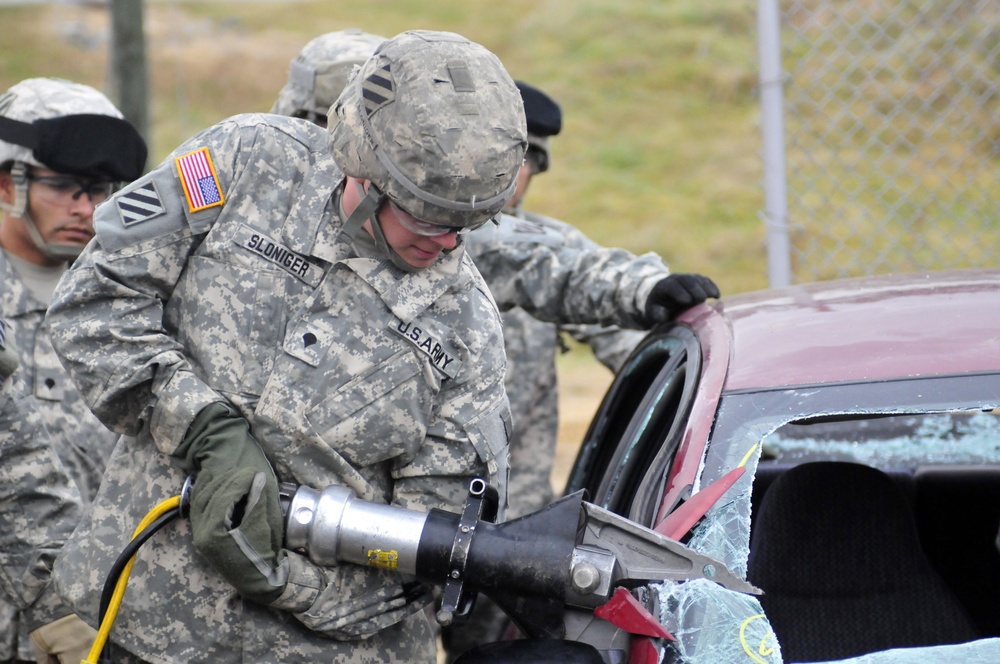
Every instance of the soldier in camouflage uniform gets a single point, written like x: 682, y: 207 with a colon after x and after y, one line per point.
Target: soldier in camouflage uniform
x: 271, y: 304
x: 517, y: 239
x: 80, y: 148
x: 276, y: 302
x: 532, y: 344
x: 39, y: 507
x: 315, y: 78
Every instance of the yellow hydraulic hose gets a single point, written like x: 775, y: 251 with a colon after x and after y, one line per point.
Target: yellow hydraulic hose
x: 116, y: 598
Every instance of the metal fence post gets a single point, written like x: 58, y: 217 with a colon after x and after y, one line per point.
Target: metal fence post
x: 772, y: 126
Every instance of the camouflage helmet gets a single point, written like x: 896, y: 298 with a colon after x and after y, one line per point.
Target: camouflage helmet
x: 317, y: 76
x: 436, y: 123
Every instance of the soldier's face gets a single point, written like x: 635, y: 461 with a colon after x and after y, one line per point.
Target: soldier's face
x: 61, y: 214
x: 417, y: 250
x: 523, y: 179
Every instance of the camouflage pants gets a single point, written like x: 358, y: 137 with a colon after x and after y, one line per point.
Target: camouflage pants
x: 114, y: 654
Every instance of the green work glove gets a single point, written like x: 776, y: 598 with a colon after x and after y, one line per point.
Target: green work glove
x: 235, y: 509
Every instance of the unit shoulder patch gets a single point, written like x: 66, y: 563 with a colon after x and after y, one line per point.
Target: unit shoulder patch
x: 140, y: 204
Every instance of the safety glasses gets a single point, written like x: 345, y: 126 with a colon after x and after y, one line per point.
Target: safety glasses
x: 65, y: 189
x: 426, y: 228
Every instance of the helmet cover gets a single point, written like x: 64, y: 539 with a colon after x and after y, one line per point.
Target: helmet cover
x: 436, y: 123
x: 318, y: 74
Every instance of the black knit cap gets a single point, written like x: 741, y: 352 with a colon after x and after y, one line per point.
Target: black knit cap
x: 542, y: 112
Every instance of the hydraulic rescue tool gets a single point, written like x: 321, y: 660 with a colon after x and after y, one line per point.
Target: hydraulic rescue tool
x: 570, y: 553
x: 548, y: 570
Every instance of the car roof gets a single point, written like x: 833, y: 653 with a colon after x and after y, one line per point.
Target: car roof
x: 864, y: 329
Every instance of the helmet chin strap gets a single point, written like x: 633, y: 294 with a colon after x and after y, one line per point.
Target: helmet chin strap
x: 367, y: 209
x: 55, y: 251
x: 20, y: 208
x: 18, y: 174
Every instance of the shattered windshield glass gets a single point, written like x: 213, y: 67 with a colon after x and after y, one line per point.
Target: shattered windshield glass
x: 715, y: 625
x: 903, y: 424
x: 901, y: 441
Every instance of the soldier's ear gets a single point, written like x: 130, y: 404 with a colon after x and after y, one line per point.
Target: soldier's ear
x: 7, y: 191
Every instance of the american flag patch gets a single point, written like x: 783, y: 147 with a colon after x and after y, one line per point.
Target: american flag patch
x: 201, y: 184
x: 140, y: 204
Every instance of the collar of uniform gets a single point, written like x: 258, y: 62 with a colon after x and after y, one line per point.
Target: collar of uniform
x: 306, y: 229
x: 521, y: 228
x: 408, y: 294
x: 16, y: 299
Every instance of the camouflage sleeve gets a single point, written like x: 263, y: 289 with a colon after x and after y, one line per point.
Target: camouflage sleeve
x: 570, y: 280
x: 107, y: 314
x: 39, y: 505
x: 611, y: 345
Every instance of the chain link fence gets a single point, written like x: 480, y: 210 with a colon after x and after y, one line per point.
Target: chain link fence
x: 891, y: 139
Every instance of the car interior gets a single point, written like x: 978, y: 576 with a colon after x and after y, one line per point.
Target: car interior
x: 854, y: 559
x: 646, y: 415
x: 836, y: 550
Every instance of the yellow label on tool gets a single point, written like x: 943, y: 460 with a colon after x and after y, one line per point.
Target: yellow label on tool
x: 383, y: 559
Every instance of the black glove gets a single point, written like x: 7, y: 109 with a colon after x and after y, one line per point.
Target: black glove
x: 676, y: 293
x: 235, y: 509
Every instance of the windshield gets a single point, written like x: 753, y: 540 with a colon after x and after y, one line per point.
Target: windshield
x: 898, y: 424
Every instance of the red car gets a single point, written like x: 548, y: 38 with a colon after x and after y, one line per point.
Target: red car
x: 836, y: 443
